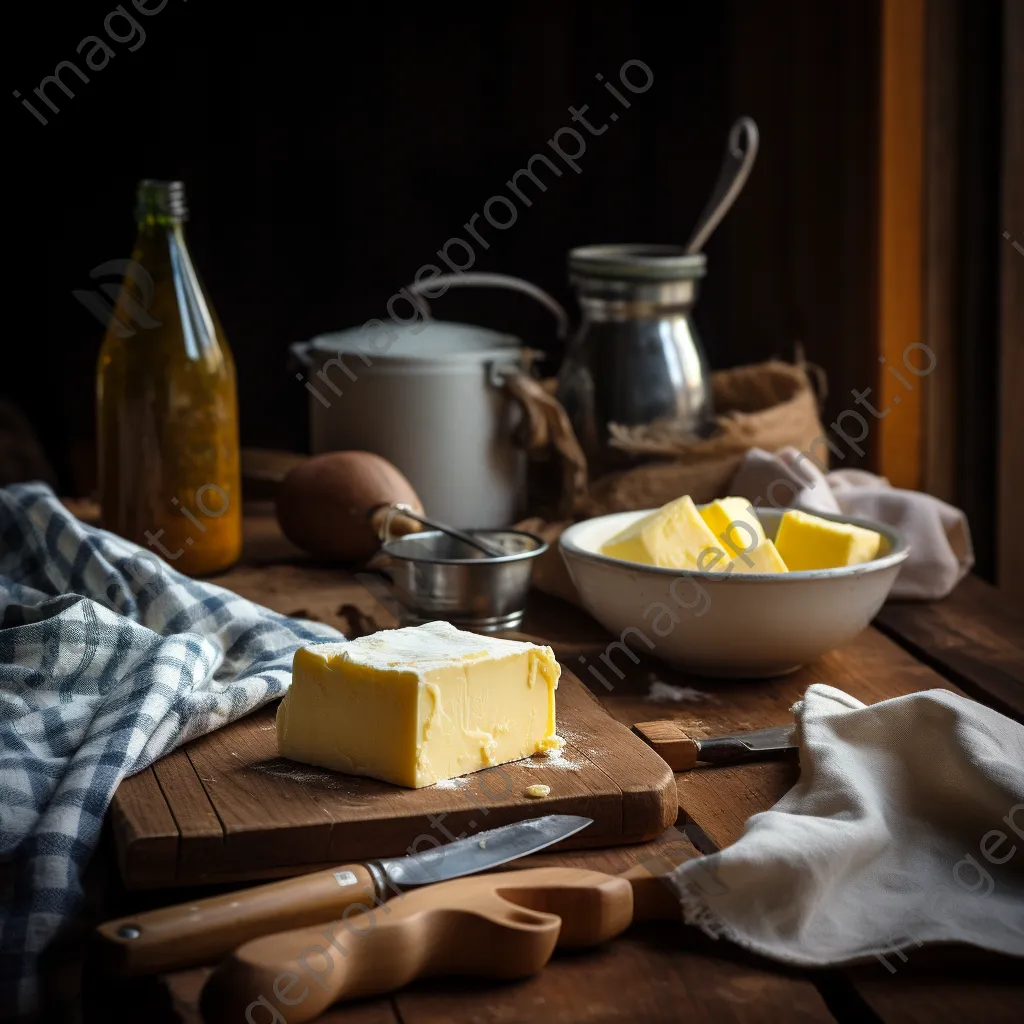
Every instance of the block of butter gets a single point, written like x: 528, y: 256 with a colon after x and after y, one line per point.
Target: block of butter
x: 418, y: 705
x: 806, y: 542
x: 674, y: 536
x: 764, y: 558
x: 741, y: 537
x: 734, y: 523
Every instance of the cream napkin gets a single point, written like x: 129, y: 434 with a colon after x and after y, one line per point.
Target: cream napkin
x: 906, y: 827
x: 938, y: 534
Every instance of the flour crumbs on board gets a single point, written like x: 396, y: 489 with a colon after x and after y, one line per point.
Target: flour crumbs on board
x: 661, y: 692
x: 459, y: 782
x: 551, y: 759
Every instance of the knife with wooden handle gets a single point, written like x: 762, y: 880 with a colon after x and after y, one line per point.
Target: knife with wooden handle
x: 683, y: 752
x: 208, y: 929
x: 502, y: 926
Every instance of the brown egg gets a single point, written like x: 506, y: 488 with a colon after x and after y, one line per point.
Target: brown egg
x: 324, y: 504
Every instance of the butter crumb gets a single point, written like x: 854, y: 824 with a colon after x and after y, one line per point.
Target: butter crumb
x: 537, y: 791
x: 549, y: 743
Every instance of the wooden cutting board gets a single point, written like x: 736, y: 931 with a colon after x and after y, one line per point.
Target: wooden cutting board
x: 226, y: 807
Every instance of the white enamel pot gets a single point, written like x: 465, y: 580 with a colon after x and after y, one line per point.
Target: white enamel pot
x: 429, y: 396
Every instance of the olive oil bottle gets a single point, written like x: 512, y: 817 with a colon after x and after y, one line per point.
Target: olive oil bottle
x: 167, y: 405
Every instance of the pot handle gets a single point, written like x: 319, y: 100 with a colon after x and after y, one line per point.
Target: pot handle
x: 545, y: 427
x: 475, y: 279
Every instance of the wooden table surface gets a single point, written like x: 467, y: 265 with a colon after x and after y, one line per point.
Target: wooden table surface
x: 971, y: 642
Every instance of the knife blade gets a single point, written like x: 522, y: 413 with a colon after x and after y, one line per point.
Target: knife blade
x: 683, y: 752
x: 476, y: 853
x: 206, y: 930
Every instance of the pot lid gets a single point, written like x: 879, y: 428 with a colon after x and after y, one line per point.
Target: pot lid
x: 427, y: 341
x: 637, y: 262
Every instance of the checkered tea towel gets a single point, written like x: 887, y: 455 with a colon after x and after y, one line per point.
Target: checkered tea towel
x: 108, y: 659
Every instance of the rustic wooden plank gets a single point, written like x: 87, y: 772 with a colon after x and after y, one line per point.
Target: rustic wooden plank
x: 183, y: 989
x: 962, y: 992
x: 144, y: 830
x: 975, y: 638
x: 308, y: 591
x: 719, y: 800
x: 655, y: 973
x: 264, y: 823
x: 245, y: 813
x: 1011, y: 312
x: 201, y: 834
x: 646, y: 784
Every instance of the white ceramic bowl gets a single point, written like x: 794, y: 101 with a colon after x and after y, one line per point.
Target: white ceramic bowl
x: 728, y: 625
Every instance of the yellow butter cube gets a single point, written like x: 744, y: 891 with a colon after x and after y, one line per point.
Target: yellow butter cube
x: 764, y: 558
x: 674, y: 536
x: 806, y: 542
x: 735, y: 525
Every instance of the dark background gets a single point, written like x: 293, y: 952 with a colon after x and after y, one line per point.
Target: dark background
x: 328, y: 152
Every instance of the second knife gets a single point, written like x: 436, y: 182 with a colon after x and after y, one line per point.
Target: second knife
x: 683, y: 752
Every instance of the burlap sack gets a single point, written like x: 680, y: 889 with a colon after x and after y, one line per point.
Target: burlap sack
x: 768, y: 405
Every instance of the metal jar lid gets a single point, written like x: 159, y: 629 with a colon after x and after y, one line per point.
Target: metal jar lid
x: 637, y: 262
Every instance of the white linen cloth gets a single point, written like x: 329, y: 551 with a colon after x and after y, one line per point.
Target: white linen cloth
x: 940, y: 540
x: 906, y: 827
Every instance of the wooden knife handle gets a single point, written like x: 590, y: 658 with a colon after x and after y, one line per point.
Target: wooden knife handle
x: 204, y: 931
x: 503, y: 925
x: 669, y: 740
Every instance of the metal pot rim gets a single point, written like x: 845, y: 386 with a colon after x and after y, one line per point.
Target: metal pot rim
x: 436, y: 342
x: 517, y: 556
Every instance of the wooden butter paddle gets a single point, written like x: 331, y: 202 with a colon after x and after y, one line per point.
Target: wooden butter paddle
x: 504, y: 925
x: 205, y: 930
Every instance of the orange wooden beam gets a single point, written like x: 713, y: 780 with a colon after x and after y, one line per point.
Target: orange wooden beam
x: 900, y: 380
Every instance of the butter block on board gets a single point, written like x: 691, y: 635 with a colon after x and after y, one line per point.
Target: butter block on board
x: 418, y: 705
x: 807, y: 542
x: 674, y: 536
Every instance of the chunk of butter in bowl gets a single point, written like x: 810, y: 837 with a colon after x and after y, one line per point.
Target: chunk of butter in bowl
x: 709, y: 588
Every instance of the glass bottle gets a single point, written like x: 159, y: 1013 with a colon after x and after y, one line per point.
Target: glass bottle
x: 167, y: 406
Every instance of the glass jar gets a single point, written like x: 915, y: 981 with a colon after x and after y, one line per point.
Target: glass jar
x: 636, y: 358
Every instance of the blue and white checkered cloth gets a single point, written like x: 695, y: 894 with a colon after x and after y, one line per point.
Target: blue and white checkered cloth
x: 108, y: 659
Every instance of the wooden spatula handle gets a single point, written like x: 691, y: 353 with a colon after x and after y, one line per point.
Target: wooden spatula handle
x: 503, y: 925
x: 204, y: 931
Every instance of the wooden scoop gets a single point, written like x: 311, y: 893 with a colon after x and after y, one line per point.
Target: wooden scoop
x: 504, y: 925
